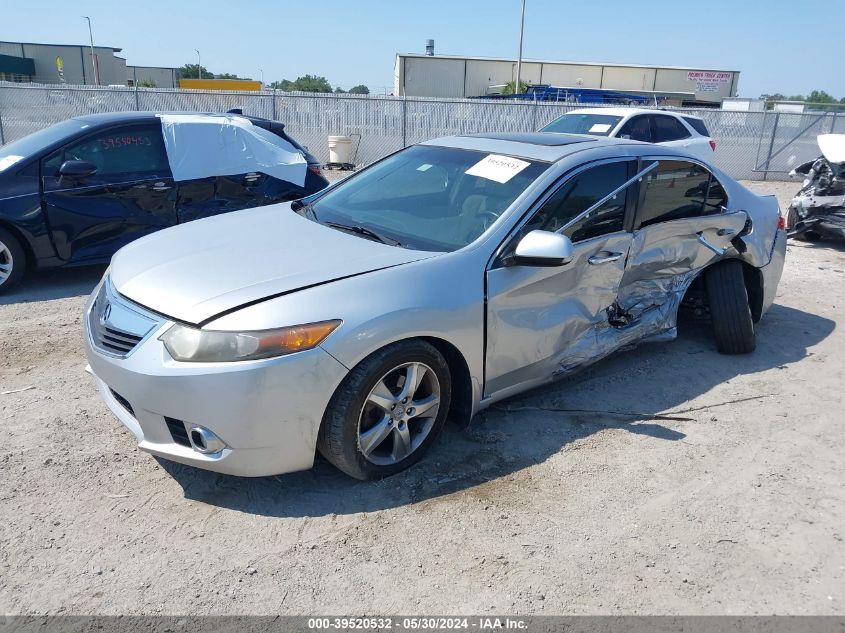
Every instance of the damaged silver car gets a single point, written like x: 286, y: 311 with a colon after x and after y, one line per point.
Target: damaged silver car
x: 818, y: 209
x: 439, y: 280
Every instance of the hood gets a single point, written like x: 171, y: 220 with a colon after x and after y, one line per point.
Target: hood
x: 833, y: 147
x: 195, y: 271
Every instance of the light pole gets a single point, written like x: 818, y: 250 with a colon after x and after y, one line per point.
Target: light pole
x: 199, y: 64
x: 261, y: 70
x: 516, y: 88
x: 93, y: 59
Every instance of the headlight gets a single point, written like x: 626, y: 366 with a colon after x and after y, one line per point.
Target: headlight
x: 187, y: 343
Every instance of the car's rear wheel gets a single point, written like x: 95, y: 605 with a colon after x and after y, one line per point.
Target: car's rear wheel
x: 388, y: 411
x: 12, y: 260
x: 730, y: 312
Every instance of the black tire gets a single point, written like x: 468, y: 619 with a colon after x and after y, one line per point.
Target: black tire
x: 338, y: 440
x: 730, y: 312
x: 11, y: 253
x: 792, y: 219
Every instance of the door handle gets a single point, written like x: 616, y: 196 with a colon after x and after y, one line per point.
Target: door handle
x: 604, y: 259
x: 160, y: 186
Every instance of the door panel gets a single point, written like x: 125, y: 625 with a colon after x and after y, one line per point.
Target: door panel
x: 666, y: 256
x: 206, y: 197
x: 91, y: 222
x: 130, y: 195
x: 539, y: 319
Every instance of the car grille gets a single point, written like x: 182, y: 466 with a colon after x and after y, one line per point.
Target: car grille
x: 178, y: 431
x: 116, y: 326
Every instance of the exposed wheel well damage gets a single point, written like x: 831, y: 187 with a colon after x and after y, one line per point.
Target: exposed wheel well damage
x: 696, y: 298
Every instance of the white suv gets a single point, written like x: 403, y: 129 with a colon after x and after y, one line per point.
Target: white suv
x: 682, y: 131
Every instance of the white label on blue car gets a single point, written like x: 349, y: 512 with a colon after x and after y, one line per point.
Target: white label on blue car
x: 599, y: 128
x: 497, y: 168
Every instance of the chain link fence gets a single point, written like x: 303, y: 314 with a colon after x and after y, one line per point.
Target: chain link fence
x: 751, y: 145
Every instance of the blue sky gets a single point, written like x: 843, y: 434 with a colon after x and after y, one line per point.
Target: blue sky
x: 778, y: 45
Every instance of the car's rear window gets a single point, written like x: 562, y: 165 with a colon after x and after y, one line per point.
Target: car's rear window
x: 576, y: 123
x: 697, y: 125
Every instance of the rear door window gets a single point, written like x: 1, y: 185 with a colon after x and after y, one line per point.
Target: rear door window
x: 678, y: 189
x: 637, y: 128
x: 697, y: 125
x: 668, y: 128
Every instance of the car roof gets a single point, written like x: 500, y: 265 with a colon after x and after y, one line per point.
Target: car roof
x: 620, y: 111
x: 131, y: 115
x: 543, y: 146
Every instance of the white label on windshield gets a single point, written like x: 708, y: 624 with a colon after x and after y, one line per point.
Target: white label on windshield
x: 424, y: 167
x: 497, y: 168
x: 8, y: 161
x: 599, y: 128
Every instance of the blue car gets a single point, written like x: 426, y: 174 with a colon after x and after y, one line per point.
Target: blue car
x: 74, y: 193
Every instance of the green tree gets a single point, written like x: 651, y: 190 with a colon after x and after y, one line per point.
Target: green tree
x: 146, y: 83
x: 360, y: 89
x: 820, y: 96
x: 191, y: 71
x: 338, y: 90
x: 796, y: 98
x: 310, y: 83
x: 508, y: 89
x: 284, y: 85
x: 231, y: 76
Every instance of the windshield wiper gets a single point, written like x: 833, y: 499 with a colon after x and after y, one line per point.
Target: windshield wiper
x: 364, y: 231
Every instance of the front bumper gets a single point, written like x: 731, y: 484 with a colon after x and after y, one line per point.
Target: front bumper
x: 267, y: 412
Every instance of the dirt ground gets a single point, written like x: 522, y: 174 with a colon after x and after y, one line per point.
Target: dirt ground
x: 664, y: 480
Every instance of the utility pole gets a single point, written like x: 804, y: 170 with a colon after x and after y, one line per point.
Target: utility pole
x: 94, y: 64
x: 516, y: 87
x: 261, y: 70
x: 199, y: 64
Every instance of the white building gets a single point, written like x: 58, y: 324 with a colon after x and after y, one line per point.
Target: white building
x: 418, y: 75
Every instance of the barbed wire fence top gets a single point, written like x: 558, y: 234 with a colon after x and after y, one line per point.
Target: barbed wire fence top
x: 750, y: 145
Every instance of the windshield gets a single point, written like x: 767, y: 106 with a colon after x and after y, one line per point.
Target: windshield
x: 16, y: 151
x: 428, y: 198
x: 574, y: 123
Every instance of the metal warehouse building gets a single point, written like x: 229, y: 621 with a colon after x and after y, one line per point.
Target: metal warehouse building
x: 71, y: 64
x: 418, y: 75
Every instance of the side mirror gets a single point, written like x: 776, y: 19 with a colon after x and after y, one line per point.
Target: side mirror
x: 77, y: 169
x: 627, y: 137
x: 543, y: 248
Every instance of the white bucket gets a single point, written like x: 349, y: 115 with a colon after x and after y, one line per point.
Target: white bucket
x: 339, y: 149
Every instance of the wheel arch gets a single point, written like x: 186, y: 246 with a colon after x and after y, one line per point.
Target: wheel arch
x: 28, y: 252
x: 461, y: 407
x: 752, y: 277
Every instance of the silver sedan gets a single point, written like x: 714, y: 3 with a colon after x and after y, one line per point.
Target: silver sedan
x: 444, y: 278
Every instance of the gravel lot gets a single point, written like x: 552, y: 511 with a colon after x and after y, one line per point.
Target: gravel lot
x: 668, y: 479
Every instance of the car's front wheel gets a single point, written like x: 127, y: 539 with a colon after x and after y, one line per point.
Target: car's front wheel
x: 12, y: 260
x: 730, y: 312
x: 388, y: 411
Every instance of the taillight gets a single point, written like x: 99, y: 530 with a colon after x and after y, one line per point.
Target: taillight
x: 315, y: 170
x: 781, y: 222
x: 712, y: 144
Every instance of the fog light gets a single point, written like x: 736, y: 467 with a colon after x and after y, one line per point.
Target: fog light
x: 204, y: 441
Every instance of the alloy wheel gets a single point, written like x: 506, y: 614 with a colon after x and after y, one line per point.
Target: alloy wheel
x: 399, y: 413
x: 6, y: 262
